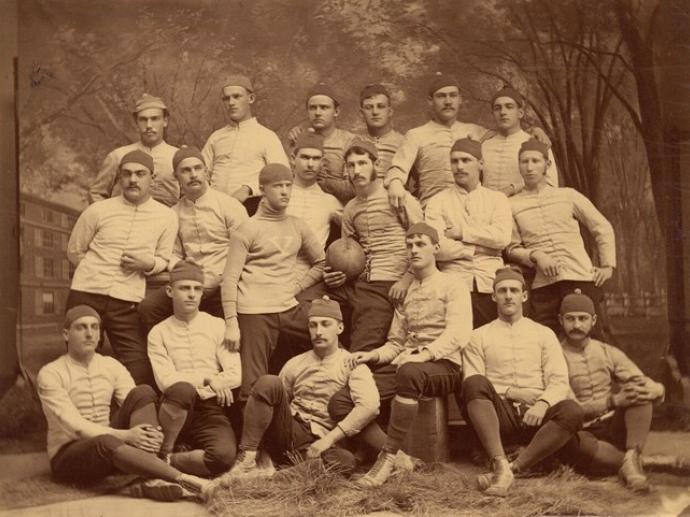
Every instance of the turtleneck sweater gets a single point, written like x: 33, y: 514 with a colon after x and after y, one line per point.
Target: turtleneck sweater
x: 259, y: 275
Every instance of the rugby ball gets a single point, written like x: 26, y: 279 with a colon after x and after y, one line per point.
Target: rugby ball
x: 347, y: 256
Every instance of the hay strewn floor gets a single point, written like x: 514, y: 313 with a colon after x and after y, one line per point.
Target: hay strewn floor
x: 438, y: 490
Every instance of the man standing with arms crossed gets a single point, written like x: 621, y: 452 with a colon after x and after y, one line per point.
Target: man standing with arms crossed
x: 115, y: 244
x: 516, y: 387
x: 474, y: 225
x: 501, y: 170
x: 151, y: 116
x: 236, y: 153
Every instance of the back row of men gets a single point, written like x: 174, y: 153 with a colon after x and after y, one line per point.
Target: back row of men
x: 258, y: 275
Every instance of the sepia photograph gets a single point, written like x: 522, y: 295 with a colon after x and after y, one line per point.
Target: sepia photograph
x: 335, y: 258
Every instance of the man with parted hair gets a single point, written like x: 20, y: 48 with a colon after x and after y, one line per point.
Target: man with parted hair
x: 236, y: 153
x: 380, y: 230
x: 291, y: 412
x: 375, y: 105
x: 422, y: 354
x: 115, y: 245
x: 86, y: 439
x: 260, y: 284
x: 516, y: 387
x: 474, y: 226
x: 196, y: 374
x: 207, y: 218
x: 616, y: 423
x: 323, y: 109
x: 151, y: 117
x: 546, y: 237
x: 501, y: 170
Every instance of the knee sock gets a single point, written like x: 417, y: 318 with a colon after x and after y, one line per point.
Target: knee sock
x: 372, y: 436
x: 484, y: 419
x: 638, y: 420
x: 144, y: 415
x: 549, y: 439
x: 257, y: 417
x: 135, y: 461
x: 191, y: 462
x: 172, y: 418
x: 607, y: 457
x: 403, y: 414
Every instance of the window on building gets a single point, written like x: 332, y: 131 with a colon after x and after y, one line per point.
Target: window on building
x: 65, y: 270
x: 22, y: 209
x: 48, y: 268
x: 48, y: 215
x: 45, y: 302
x: 38, y: 269
x: 47, y: 239
x: 64, y: 239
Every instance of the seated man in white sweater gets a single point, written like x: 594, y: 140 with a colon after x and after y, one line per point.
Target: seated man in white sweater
x: 86, y: 443
x: 196, y: 373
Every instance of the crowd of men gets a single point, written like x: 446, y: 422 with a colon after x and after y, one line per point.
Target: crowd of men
x: 474, y: 266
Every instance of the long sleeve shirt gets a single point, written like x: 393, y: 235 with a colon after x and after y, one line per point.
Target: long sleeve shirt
x: 259, y: 275
x: 371, y: 221
x: 547, y: 221
x: 435, y: 316
x: 486, y: 222
x: 311, y: 382
x: 205, y: 226
x: 164, y: 188
x: 235, y: 154
x: 523, y: 355
x: 191, y: 351
x: 425, y: 150
x: 76, y: 398
x: 111, y: 227
x: 501, y: 162
x: 386, y: 145
x: 317, y: 209
x: 332, y: 176
x: 592, y: 371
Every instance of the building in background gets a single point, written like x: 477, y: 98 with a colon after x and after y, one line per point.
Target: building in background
x: 45, y: 272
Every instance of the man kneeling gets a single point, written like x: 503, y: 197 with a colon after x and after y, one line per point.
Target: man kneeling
x: 84, y: 442
x: 614, y: 422
x: 515, y: 387
x: 289, y: 413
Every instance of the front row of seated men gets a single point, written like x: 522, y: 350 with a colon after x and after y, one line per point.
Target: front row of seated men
x: 516, y: 385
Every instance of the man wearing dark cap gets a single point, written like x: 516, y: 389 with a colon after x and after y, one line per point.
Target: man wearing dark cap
x: 376, y: 108
x: 196, y: 374
x: 151, y: 116
x: 474, y: 225
x: 380, y: 230
x: 115, y: 244
x: 546, y: 237
x: 308, y: 201
x: 86, y: 440
x: 291, y: 413
x: 422, y: 356
x: 260, y: 282
x: 207, y: 218
x: 501, y: 171
x: 425, y: 149
x: 616, y: 423
x: 236, y: 153
x: 323, y: 109
x: 516, y: 387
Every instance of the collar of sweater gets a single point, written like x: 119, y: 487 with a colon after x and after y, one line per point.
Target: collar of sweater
x: 266, y: 211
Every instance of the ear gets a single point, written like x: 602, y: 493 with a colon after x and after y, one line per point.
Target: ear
x: 594, y: 319
x: 493, y: 296
x: 168, y: 290
x: 341, y: 328
x: 65, y: 335
x: 336, y: 111
x: 252, y: 98
x: 521, y: 112
x: 261, y: 189
x: 525, y: 295
x: 291, y: 158
x: 560, y: 320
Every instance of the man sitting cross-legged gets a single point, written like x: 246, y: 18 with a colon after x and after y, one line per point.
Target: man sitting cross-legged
x: 290, y: 413
x: 196, y: 373
x: 614, y: 422
x: 84, y: 442
x: 422, y: 354
x: 515, y: 387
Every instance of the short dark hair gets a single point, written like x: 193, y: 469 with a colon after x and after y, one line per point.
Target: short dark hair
x: 359, y: 150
